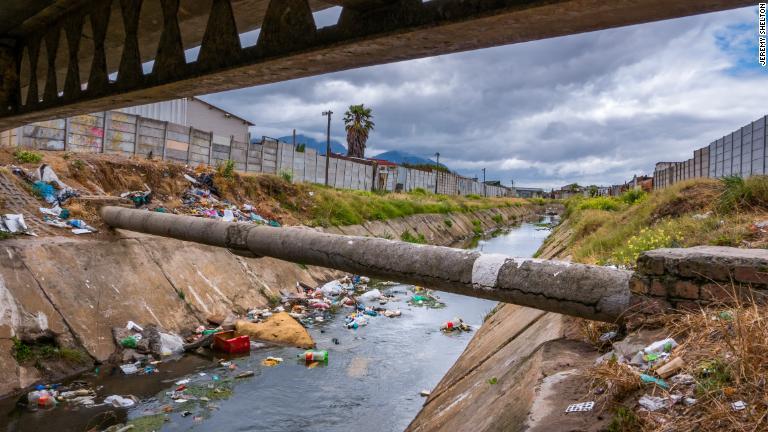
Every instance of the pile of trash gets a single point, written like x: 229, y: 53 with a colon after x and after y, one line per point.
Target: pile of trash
x: 14, y: 224
x: 142, y: 348
x: 423, y: 297
x: 455, y: 325
x: 77, y: 393
x: 313, y: 305
x: 658, y: 366
x: 59, y: 217
x: 50, y: 188
x: 202, y: 199
x: 47, y: 184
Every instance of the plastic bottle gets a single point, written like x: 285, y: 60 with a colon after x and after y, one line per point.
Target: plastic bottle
x: 33, y: 397
x: 454, y: 324
x: 310, y: 356
x: 46, y: 400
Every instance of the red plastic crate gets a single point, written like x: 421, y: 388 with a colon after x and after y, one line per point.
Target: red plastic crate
x: 229, y: 343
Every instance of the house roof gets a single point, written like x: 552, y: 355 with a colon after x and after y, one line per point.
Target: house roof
x: 226, y: 113
x: 531, y: 189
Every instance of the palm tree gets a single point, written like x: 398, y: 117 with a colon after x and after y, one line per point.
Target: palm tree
x: 358, y: 124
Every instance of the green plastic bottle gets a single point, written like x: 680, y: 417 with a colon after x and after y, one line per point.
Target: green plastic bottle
x: 318, y: 356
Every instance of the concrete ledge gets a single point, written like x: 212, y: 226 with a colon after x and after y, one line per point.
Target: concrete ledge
x: 692, y: 277
x: 712, y: 263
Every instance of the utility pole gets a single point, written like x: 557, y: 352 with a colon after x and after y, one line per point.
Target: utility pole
x: 294, y: 139
x: 485, y: 194
x: 328, y: 146
x: 437, y: 170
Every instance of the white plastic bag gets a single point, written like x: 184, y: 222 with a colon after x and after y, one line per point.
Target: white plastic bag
x: 170, y: 344
x: 371, y: 295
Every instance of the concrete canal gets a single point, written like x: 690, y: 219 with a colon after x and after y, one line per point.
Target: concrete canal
x: 372, y: 379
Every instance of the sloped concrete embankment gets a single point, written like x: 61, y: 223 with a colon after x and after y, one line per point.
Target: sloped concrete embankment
x: 74, y: 290
x: 516, y: 373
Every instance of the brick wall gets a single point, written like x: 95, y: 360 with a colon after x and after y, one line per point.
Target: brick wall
x: 692, y: 277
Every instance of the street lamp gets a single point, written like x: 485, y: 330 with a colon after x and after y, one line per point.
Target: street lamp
x: 437, y: 169
x: 328, y: 145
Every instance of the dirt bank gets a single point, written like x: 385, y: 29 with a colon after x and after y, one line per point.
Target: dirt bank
x: 516, y: 374
x: 524, y: 367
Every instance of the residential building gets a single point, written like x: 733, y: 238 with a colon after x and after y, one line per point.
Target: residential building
x: 528, y: 192
x: 196, y: 112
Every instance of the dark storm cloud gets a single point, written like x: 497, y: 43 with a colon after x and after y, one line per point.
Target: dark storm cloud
x: 593, y: 108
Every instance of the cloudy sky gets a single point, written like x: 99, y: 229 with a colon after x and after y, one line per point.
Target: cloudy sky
x: 594, y: 108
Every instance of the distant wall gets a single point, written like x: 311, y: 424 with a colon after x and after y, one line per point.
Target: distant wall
x: 740, y: 153
x: 114, y: 132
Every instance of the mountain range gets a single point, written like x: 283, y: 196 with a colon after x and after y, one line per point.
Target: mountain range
x: 401, y: 157
x: 396, y: 156
x: 319, y: 145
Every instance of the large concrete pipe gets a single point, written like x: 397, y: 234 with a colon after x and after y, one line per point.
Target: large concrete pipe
x: 586, y: 291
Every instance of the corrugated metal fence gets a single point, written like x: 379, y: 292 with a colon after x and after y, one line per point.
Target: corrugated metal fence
x: 126, y: 134
x: 740, y: 153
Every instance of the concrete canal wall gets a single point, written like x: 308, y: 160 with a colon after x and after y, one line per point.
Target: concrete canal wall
x: 74, y: 290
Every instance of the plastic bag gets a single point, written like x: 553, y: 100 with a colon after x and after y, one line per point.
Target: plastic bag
x: 128, y: 342
x: 371, y: 295
x: 170, y: 344
x: 119, y: 401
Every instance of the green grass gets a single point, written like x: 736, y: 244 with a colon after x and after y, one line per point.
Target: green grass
x: 477, y: 228
x: 272, y: 299
x: 331, y: 207
x: 448, y: 222
x: 665, y: 218
x: 287, y: 176
x: 499, y: 219
x: 741, y: 195
x: 410, y: 238
x: 712, y: 376
x: 148, y: 423
x: 624, y: 420
x: 24, y: 156
x: 37, y: 353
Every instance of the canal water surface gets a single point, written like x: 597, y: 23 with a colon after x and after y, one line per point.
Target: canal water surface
x: 371, y: 381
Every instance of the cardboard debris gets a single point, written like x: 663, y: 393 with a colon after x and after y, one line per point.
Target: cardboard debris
x: 580, y: 407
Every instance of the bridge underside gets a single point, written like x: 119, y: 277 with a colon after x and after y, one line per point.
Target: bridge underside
x: 66, y: 57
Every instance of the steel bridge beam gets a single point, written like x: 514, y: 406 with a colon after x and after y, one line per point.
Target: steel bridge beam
x: 289, y: 45
x: 592, y: 292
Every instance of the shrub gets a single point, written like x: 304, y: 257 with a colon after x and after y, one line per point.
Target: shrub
x: 474, y: 196
x: 21, y: 351
x: 599, y: 203
x: 742, y: 195
x: 647, y: 239
x: 448, y: 223
x: 226, y: 169
x: 498, y: 218
x: 632, y: 196
x: 24, y: 156
x: 287, y: 176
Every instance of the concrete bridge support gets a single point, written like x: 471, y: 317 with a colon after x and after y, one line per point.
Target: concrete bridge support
x: 61, y: 58
x: 592, y: 292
